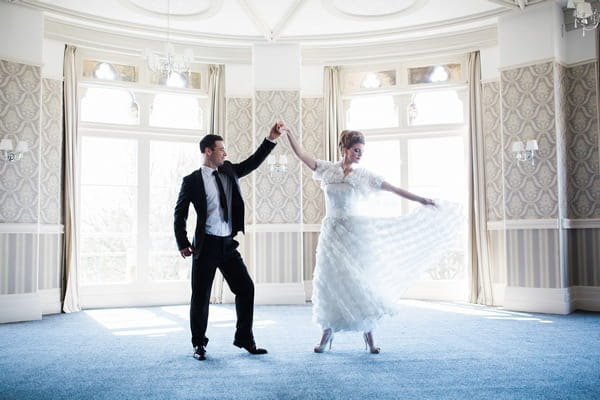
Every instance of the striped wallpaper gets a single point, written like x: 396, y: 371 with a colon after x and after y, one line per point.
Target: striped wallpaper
x: 19, y: 254
x: 532, y: 258
x: 278, y: 257
x: 310, y: 253
x: 584, y: 257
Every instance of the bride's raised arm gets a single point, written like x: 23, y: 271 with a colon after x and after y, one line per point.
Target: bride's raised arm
x: 303, y: 156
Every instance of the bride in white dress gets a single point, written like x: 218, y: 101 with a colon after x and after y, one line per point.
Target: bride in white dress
x: 363, y: 264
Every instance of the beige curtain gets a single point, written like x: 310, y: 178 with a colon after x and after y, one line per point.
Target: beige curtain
x: 481, y: 280
x: 70, y: 284
x: 334, y: 122
x: 216, y: 97
x: 216, y: 125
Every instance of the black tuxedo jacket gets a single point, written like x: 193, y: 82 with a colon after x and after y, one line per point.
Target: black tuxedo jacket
x: 192, y: 191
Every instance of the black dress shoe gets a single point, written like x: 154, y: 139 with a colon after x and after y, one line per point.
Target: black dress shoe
x: 200, y: 353
x: 250, y: 347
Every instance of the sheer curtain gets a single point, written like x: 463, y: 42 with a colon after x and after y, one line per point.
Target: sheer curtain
x: 333, y: 111
x: 216, y: 125
x: 70, y: 284
x: 481, y: 280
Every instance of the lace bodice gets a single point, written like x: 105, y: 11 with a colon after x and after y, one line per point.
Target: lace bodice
x: 343, y: 193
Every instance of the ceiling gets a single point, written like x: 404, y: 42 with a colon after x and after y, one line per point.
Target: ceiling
x: 278, y: 20
x: 228, y: 24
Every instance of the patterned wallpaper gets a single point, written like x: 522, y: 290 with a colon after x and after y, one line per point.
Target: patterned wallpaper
x: 51, y: 149
x: 239, y: 142
x: 583, y: 169
x: 313, y: 141
x: 560, y: 96
x: 20, y: 94
x: 528, y: 112
x: 533, y: 259
x: 278, y: 199
x: 492, y: 139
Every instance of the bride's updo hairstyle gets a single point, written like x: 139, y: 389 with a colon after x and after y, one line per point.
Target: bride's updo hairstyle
x: 350, y: 138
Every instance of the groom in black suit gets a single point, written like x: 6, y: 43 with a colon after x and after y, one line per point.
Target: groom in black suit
x: 215, y: 194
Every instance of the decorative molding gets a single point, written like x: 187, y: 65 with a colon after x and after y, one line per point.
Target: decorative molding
x: 527, y: 64
x: 20, y: 307
x: 31, y: 228
x: 255, y: 228
x: 583, y: 223
x: 540, y: 300
x: 565, y: 223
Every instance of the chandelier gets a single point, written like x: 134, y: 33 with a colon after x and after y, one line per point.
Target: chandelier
x: 584, y: 15
x: 169, y: 64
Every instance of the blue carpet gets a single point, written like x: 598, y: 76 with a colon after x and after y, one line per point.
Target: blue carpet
x: 429, y: 351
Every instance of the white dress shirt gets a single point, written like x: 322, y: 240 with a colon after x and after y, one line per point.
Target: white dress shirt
x: 215, y: 224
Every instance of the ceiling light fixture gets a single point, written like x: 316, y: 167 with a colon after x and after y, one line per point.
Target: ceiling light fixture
x: 170, y: 64
x: 584, y: 15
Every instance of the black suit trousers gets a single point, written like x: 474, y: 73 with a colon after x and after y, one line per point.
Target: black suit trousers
x: 221, y: 252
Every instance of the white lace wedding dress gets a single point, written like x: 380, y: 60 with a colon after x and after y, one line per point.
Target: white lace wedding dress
x: 365, y: 263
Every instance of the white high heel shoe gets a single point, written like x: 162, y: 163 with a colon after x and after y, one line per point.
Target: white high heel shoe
x: 368, y: 337
x: 327, y: 338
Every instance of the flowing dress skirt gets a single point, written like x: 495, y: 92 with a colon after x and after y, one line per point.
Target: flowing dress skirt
x: 364, y: 264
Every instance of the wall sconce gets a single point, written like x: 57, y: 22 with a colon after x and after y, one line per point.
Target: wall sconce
x: 277, y: 166
x: 12, y: 153
x: 584, y: 15
x: 525, y: 152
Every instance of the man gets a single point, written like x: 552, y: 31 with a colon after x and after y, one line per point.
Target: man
x: 215, y: 194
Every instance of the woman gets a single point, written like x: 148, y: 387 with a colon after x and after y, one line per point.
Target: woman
x: 363, y: 263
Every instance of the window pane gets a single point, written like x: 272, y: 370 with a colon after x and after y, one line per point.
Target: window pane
x: 434, y: 74
x: 190, y: 80
x: 109, y: 71
x: 108, y: 210
x: 108, y: 161
x: 353, y: 81
x: 371, y: 112
x: 176, y: 111
x: 436, y: 168
x: 115, y: 106
x: 383, y: 158
x: 169, y: 163
x: 436, y: 107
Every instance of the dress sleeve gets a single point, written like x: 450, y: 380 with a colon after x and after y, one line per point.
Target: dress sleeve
x: 322, y: 167
x: 369, y: 181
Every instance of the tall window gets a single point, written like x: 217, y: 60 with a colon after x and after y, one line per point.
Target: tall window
x: 139, y: 138
x: 414, y: 119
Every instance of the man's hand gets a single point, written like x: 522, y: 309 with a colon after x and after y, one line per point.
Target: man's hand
x: 186, y: 252
x: 276, y: 130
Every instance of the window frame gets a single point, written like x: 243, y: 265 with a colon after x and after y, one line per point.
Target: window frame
x: 141, y: 290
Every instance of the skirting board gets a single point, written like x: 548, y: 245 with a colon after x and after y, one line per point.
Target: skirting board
x: 20, y: 307
x: 538, y: 300
x: 279, y: 293
x: 50, y: 301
